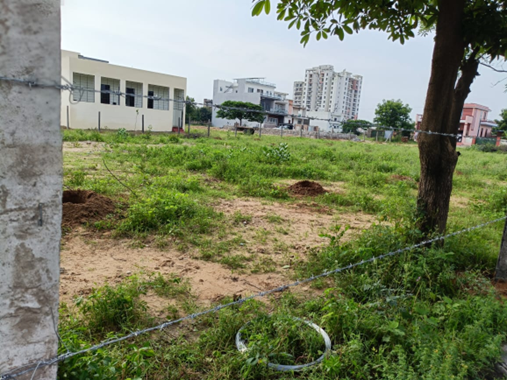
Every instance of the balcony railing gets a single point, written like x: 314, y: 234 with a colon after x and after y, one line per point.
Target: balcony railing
x: 277, y: 110
x: 261, y: 82
x: 272, y: 96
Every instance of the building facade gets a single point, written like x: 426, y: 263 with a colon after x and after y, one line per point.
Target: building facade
x: 474, y: 123
x: 251, y: 90
x: 324, y: 90
x: 119, y: 97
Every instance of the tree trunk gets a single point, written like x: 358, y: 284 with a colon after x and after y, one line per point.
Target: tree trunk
x: 437, y: 153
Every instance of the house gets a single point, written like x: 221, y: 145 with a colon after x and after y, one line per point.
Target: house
x: 300, y: 120
x: 474, y: 123
x: 117, y: 97
x: 252, y: 90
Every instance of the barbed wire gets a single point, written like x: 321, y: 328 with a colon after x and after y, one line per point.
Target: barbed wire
x: 72, y: 88
x: 48, y: 362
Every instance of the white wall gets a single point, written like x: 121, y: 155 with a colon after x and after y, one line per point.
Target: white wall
x: 324, y: 126
x: 84, y: 115
x: 30, y: 186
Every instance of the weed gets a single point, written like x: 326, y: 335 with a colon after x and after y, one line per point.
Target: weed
x: 275, y: 219
x: 113, y: 309
x: 238, y: 217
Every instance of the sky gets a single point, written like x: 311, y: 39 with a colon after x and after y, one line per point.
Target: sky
x: 204, y: 40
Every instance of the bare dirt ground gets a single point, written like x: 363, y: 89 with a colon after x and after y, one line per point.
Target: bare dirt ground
x: 89, y: 261
x: 279, y: 233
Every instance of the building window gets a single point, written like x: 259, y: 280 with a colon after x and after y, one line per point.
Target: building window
x: 158, y: 97
x: 134, y: 94
x: 85, y: 88
x: 110, y: 91
x: 250, y: 89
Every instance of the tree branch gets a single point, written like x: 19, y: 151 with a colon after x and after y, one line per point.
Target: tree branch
x: 493, y: 68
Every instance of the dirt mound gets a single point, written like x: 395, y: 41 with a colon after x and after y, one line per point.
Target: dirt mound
x: 81, y: 206
x: 306, y: 188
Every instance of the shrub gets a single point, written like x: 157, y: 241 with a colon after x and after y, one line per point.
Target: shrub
x: 163, y: 207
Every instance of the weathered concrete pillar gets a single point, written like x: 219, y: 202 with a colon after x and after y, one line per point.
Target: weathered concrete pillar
x: 30, y: 184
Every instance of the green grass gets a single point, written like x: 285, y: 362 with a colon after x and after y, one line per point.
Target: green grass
x: 425, y: 314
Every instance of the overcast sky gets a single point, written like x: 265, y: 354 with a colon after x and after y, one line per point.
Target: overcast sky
x: 204, y: 40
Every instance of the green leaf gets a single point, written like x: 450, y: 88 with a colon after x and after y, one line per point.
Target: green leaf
x: 340, y: 33
x: 267, y: 6
x: 347, y: 29
x: 257, y: 9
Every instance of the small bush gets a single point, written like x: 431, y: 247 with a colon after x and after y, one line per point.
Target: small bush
x: 113, y: 308
x: 277, y: 155
x: 161, y: 208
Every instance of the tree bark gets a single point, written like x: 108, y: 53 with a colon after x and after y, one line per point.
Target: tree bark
x: 438, y: 156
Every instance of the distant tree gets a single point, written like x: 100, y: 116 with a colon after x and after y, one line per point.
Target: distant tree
x: 190, y: 110
x: 241, y: 111
x: 204, y: 114
x: 502, y: 123
x: 394, y: 114
x: 351, y: 126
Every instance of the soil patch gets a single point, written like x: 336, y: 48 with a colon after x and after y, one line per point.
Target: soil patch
x: 88, y: 261
x: 398, y: 177
x: 81, y: 206
x: 307, y: 188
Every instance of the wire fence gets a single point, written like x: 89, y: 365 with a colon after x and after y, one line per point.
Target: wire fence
x: 52, y: 361
x: 32, y: 83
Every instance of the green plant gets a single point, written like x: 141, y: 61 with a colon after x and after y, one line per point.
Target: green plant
x: 277, y: 155
x: 77, y: 178
x: 113, y: 308
x: 122, y: 134
x: 281, y: 339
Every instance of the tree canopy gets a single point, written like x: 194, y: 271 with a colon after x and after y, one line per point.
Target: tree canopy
x: 484, y: 21
x: 394, y: 114
x: 195, y: 113
x: 351, y: 126
x: 502, y: 122
x: 241, y: 111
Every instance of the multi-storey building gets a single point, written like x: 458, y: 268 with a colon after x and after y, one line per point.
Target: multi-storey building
x: 252, y: 90
x: 327, y: 91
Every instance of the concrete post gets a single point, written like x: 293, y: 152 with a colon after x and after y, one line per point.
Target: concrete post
x: 501, y: 265
x: 30, y: 185
x: 209, y: 126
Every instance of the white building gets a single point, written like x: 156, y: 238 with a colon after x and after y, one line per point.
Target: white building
x: 128, y: 95
x: 252, y: 90
x: 329, y: 94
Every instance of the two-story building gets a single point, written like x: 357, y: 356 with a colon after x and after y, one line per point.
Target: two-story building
x: 251, y: 90
x: 474, y: 123
x: 117, y: 97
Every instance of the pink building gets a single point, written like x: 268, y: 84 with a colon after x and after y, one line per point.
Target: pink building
x: 474, y: 123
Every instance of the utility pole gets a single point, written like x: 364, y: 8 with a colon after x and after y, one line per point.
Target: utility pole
x: 30, y: 185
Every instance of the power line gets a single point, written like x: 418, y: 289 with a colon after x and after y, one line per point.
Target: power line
x: 72, y: 88
x: 48, y: 362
